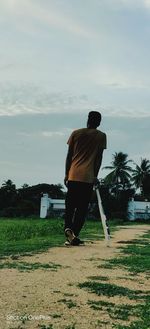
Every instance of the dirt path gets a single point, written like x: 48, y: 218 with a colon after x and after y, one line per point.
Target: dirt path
x: 53, y: 294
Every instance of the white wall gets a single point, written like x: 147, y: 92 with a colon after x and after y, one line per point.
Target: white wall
x: 138, y: 210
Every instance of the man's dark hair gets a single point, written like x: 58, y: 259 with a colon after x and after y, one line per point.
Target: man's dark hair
x: 94, y: 118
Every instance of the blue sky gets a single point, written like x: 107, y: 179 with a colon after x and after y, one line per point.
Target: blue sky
x: 59, y: 60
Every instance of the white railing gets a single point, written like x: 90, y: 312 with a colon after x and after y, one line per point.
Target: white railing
x: 138, y: 210
x: 48, y: 204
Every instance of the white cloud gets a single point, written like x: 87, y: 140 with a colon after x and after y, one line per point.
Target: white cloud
x: 117, y: 4
x: 48, y: 134
x: 60, y: 133
x: 107, y: 67
x: 117, y: 77
x: 32, y: 100
x: 9, y: 163
x: 123, y: 112
x: 137, y: 157
x: 53, y: 134
x: 45, y: 14
x: 147, y: 3
x: 8, y: 4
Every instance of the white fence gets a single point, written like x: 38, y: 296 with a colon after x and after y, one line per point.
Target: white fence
x: 138, y: 210
x: 49, y: 205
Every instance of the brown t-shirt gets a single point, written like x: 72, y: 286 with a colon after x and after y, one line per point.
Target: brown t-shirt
x: 86, y: 144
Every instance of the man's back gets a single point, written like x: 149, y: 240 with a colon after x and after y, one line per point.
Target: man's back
x: 86, y: 144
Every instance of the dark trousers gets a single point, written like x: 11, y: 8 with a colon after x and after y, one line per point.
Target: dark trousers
x: 77, y: 201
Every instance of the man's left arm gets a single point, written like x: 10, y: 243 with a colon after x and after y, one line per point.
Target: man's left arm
x: 68, y: 163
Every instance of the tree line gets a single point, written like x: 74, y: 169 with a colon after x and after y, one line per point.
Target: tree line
x: 123, y: 176
x: 125, y: 180
x: 25, y: 201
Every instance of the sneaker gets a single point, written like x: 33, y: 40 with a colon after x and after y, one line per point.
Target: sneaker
x: 80, y: 241
x: 75, y: 242
x: 67, y: 243
x: 69, y: 234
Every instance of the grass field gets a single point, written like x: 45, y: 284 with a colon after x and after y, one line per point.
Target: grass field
x: 27, y: 237
x: 135, y: 260
x: 34, y: 235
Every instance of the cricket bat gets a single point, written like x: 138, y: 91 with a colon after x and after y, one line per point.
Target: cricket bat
x: 103, y: 217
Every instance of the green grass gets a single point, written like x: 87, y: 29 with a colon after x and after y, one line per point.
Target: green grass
x: 25, y: 237
x: 68, y: 302
x: 110, y: 290
x: 135, y: 259
x: 121, y: 312
x: 19, y: 236
x: 101, y: 324
x: 70, y: 326
x: 98, y: 277
x: 68, y: 295
x: 143, y: 322
x: 56, y: 315
x: 24, y: 266
x: 43, y: 326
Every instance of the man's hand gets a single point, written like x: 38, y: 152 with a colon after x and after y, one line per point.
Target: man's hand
x: 66, y: 181
x: 96, y: 181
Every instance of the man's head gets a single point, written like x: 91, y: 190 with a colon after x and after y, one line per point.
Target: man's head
x: 94, y: 119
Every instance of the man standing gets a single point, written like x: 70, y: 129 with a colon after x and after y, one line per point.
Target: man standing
x: 83, y: 162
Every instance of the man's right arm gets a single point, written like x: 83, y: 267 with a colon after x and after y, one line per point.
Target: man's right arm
x: 98, y: 162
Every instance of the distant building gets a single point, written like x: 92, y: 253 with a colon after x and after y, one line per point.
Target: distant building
x: 51, y: 207
x: 138, y: 210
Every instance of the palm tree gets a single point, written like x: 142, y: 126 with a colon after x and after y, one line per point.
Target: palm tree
x: 140, y: 173
x: 120, y: 176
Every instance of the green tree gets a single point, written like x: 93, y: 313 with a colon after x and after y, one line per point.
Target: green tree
x: 25, y: 201
x: 25, y: 185
x: 140, y: 173
x: 9, y: 186
x: 8, y: 194
x: 146, y: 187
x: 119, y: 177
